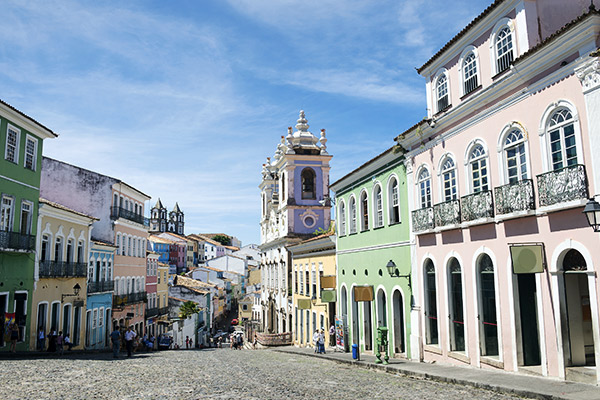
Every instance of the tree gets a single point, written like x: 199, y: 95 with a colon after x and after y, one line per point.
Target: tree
x: 223, y: 239
x: 187, y: 309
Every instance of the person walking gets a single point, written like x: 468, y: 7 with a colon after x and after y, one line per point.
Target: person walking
x: 321, y: 342
x: 129, y: 340
x: 316, y: 340
x: 14, y: 336
x: 41, y: 340
x: 115, y: 338
x: 59, y: 343
x: 255, y: 341
x: 67, y: 341
x: 187, y: 342
x: 332, y: 336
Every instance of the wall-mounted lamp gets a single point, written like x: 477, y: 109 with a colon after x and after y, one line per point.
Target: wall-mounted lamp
x: 592, y: 212
x: 395, y: 272
x: 75, y: 293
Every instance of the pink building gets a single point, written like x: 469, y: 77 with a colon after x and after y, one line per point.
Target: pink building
x: 500, y: 170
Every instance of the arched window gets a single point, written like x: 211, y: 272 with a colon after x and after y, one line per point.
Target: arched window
x: 115, y: 200
x: 431, y: 322
x: 478, y: 166
x: 515, y: 157
x: 470, y: 81
x: 448, y: 173
x: 563, y: 145
x: 487, y: 297
x: 352, y: 212
x: 424, y: 183
x: 457, y: 320
x: 308, y: 184
x: 364, y: 211
x: 342, y: 218
x: 504, y: 49
x: 394, y: 202
x: 441, y: 92
x: 378, y: 207
x: 118, y: 244
x: 58, y: 249
x: 282, y: 187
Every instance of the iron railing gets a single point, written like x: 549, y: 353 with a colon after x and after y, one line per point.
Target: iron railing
x: 447, y: 213
x: 156, y: 311
x: 477, y: 205
x: 120, y: 212
x: 16, y: 241
x: 54, y: 269
x: 422, y: 219
x: 517, y: 196
x: 120, y: 300
x: 101, y: 286
x: 565, y: 184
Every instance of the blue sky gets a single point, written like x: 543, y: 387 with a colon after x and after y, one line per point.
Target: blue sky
x: 185, y: 99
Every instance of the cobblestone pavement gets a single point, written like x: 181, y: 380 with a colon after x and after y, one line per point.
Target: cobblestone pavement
x: 212, y: 374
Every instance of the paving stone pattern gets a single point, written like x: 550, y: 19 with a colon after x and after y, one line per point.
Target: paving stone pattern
x: 212, y: 374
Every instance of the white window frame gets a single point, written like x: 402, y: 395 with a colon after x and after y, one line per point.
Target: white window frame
x: 425, y: 199
x: 17, y: 144
x: 33, y: 156
x: 470, y: 50
x: 545, y: 137
x: 364, y: 210
x: 8, y: 213
x: 342, y: 218
x: 442, y: 171
x: 503, y: 147
x: 378, y: 216
x: 500, y: 25
x: 470, y: 161
x: 436, y: 85
x: 390, y: 198
x: 352, y: 214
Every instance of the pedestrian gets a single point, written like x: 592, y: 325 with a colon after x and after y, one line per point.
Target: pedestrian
x: 59, y: 343
x: 255, y: 341
x: 240, y: 341
x: 316, y: 340
x: 219, y: 342
x: 187, y: 342
x: 14, y: 336
x: 67, y: 341
x: 115, y: 338
x: 191, y: 343
x: 130, y: 336
x: 52, y: 341
x: 321, y: 342
x: 331, y: 335
x: 41, y: 340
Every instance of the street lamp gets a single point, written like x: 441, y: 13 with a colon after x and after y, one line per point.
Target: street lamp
x: 592, y: 212
x: 395, y: 272
x: 75, y: 293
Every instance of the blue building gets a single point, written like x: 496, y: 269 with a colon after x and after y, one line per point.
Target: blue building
x: 99, y: 295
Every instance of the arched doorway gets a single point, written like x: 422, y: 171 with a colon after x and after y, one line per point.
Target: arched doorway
x: 457, y: 320
x: 578, y: 336
x: 271, y: 317
x: 398, y: 306
x: 368, y: 325
x: 431, y: 315
x: 355, y: 337
x: 488, y: 323
x: 381, y: 309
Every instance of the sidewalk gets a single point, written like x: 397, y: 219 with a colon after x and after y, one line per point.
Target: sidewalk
x: 499, y: 381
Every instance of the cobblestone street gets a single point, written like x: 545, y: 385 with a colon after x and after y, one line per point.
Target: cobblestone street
x: 212, y: 374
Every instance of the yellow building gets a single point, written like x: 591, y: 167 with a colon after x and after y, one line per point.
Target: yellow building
x: 162, y: 292
x: 313, y: 288
x: 59, y: 296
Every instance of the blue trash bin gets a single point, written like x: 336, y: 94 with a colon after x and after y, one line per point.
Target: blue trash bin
x: 355, y: 351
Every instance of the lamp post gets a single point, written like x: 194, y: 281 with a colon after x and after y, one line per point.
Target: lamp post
x: 395, y: 272
x: 75, y: 293
x: 592, y: 212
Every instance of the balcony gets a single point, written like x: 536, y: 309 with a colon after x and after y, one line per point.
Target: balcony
x: 422, y: 219
x: 100, y: 286
x: 514, y: 197
x: 476, y: 206
x: 447, y: 213
x: 562, y: 185
x: 120, y: 212
x: 16, y: 241
x: 56, y: 269
x: 122, y: 300
x: 156, y: 312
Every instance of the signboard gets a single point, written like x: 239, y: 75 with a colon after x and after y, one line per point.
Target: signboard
x: 328, y: 282
x: 527, y: 258
x: 328, y: 296
x: 340, y: 337
x: 304, y: 304
x: 363, y: 293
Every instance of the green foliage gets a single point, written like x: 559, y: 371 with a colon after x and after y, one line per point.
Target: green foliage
x: 187, y: 309
x: 224, y: 240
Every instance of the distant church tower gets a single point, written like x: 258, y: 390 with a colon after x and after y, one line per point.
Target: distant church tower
x: 293, y: 206
x: 159, y: 222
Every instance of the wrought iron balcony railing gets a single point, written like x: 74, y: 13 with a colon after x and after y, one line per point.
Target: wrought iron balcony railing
x: 447, y: 213
x: 561, y: 185
x: 156, y: 311
x: 477, y: 205
x: 120, y: 300
x: 53, y: 269
x: 514, y: 197
x: 120, y: 212
x: 423, y: 219
x: 101, y: 286
x: 16, y: 241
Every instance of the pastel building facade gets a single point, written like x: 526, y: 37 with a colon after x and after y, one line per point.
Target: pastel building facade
x: 499, y: 173
x: 21, y: 142
x: 294, y: 190
x: 100, y: 289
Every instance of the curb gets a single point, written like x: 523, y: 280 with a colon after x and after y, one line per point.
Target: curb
x: 432, y: 377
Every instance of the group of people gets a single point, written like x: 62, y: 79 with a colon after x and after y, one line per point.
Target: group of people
x: 56, y: 341
x: 129, y: 337
x: 189, y: 342
x: 237, y: 340
x: 319, y: 341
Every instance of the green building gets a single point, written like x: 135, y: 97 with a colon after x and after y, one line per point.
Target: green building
x: 21, y: 140
x: 374, y: 254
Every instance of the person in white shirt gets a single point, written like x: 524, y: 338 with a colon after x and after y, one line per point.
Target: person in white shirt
x: 129, y: 338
